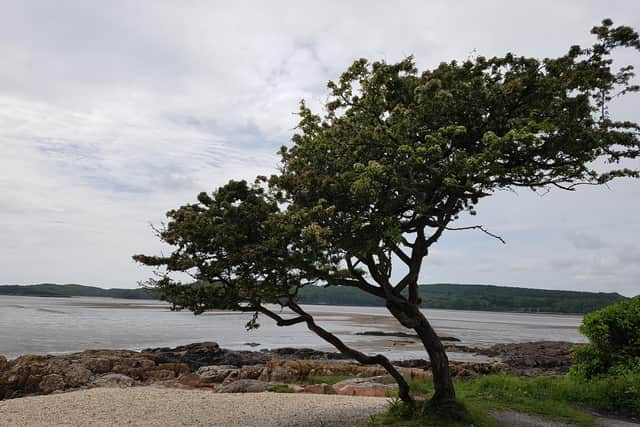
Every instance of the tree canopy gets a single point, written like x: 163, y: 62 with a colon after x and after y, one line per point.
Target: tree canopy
x: 396, y: 156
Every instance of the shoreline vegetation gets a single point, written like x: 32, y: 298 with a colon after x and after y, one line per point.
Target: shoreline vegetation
x: 438, y: 296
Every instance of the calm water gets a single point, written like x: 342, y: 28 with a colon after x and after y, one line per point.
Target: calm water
x: 59, y: 325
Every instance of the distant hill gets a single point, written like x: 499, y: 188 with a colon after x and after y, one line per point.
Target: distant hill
x: 67, y: 291
x: 445, y: 296
x: 475, y: 297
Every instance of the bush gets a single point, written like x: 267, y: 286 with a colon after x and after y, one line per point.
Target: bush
x: 607, y: 371
x: 614, y: 335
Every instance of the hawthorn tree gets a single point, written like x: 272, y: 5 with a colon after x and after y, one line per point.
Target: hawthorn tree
x: 395, y: 158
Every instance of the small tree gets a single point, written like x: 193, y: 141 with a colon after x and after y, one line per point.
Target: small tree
x: 394, y: 160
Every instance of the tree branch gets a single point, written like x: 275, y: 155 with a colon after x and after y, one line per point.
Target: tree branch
x: 368, y: 287
x: 378, y: 277
x: 478, y: 227
x: 400, y: 254
x: 418, y: 253
x: 378, y: 359
x: 280, y: 321
x: 359, y: 282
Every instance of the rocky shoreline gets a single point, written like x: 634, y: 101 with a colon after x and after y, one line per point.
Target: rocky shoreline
x: 201, y: 365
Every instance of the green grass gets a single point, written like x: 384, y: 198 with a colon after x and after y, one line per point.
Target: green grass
x: 281, y: 388
x: 557, y: 398
x: 546, y: 396
x: 455, y: 414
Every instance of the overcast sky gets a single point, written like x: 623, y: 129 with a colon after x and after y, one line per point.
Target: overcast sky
x: 113, y: 112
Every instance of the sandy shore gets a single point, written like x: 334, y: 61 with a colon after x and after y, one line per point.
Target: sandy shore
x: 158, y: 406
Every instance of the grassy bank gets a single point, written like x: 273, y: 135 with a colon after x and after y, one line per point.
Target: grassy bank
x: 558, y: 398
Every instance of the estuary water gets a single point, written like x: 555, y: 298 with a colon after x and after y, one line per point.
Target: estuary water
x: 39, y: 325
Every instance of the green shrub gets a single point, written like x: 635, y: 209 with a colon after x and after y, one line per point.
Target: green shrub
x: 607, y: 371
x: 614, y: 336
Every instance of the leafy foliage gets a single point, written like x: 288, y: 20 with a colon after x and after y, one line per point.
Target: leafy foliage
x: 614, y: 335
x: 237, y: 246
x: 398, y: 150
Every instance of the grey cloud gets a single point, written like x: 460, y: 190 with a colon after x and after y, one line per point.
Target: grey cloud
x: 564, y: 264
x: 582, y: 240
x: 629, y: 255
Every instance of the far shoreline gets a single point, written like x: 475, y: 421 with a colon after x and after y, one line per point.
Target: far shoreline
x: 133, y: 300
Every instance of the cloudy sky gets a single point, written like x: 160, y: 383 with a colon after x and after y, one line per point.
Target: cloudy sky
x: 113, y: 112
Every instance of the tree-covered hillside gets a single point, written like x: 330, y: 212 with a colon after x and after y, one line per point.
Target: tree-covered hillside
x: 65, y: 291
x: 475, y: 297
x: 446, y: 296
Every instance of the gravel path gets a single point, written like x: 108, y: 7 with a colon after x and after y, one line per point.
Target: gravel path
x: 156, y: 406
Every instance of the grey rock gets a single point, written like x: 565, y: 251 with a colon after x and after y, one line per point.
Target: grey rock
x: 113, y: 380
x: 215, y: 374
x: 364, y: 387
x: 246, y: 386
x: 380, y: 379
x: 51, y: 383
x: 76, y: 375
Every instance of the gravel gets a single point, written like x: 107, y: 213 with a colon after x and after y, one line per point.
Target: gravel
x: 159, y: 406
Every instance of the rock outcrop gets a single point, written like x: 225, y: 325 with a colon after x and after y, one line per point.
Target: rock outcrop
x: 528, y: 358
x: 31, y: 374
x: 207, y: 365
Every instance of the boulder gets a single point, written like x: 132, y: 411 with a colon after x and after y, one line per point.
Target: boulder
x: 3, y: 363
x: 363, y: 387
x: 246, y: 386
x: 113, y: 380
x: 98, y: 365
x: 215, y: 374
x: 303, y: 354
x: 146, y: 364
x: 76, y: 375
x: 178, y: 368
x: 158, y: 375
x: 135, y: 373
x: 250, y: 372
x: 287, y: 371
x: 281, y: 374
x: 233, y: 376
x: 317, y: 388
x: 193, y: 380
x: 202, y: 354
x: 51, y: 383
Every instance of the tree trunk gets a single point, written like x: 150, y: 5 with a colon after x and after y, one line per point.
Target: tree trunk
x: 442, y: 381
x: 409, y: 316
